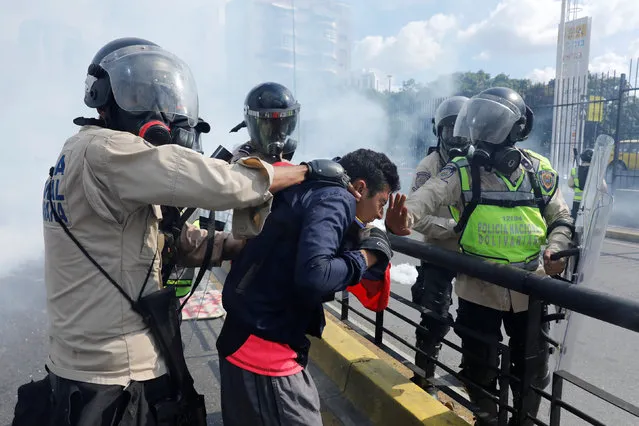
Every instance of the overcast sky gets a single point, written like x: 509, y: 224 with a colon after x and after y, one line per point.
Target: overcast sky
x: 47, y: 46
x: 517, y: 37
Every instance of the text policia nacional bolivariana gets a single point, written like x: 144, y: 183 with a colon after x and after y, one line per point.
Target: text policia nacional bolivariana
x: 512, y: 232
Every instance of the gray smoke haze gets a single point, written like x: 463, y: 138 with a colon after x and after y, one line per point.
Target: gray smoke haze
x: 48, y: 47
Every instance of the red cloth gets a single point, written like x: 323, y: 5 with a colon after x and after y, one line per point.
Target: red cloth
x: 373, y: 295
x: 282, y: 163
x: 265, y: 358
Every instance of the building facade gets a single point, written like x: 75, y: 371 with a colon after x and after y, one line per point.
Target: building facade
x: 298, y: 43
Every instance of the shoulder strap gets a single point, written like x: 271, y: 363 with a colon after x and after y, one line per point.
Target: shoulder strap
x: 534, y: 183
x: 210, y: 242
x: 469, y: 208
x: 91, y: 259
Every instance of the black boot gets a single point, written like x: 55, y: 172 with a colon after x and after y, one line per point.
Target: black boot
x: 486, y: 414
x: 432, y: 348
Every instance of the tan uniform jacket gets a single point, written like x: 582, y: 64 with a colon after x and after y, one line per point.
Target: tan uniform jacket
x: 437, y: 229
x: 445, y: 190
x: 107, y: 187
x: 193, y: 242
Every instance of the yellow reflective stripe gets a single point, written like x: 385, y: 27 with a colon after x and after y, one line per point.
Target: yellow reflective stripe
x: 454, y: 212
x: 179, y: 283
x: 517, y: 184
x: 578, y: 191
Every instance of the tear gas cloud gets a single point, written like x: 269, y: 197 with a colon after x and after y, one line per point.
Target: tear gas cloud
x: 49, y: 47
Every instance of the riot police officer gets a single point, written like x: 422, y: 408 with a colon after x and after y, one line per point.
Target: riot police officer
x: 433, y: 286
x: 271, y: 114
x: 507, y: 204
x: 577, y: 179
x: 101, y: 208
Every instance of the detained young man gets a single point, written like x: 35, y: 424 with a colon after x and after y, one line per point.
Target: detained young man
x: 315, y: 242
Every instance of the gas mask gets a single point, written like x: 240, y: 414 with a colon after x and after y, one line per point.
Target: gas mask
x: 188, y: 138
x: 452, y: 146
x: 504, y: 158
x: 149, y: 126
x: 155, y: 132
x: 183, y: 134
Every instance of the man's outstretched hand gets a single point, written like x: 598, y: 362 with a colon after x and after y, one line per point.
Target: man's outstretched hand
x: 397, y: 216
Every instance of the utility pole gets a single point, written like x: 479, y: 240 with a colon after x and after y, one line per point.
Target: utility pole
x: 390, y: 77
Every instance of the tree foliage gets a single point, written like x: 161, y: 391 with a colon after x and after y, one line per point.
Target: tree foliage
x: 411, y: 108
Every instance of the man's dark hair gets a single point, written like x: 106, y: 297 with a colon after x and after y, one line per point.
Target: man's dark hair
x: 374, y: 168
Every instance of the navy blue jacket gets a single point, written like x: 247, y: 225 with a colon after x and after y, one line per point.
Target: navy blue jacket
x: 276, y: 286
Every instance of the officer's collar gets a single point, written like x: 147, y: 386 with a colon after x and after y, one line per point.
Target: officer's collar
x: 83, y: 121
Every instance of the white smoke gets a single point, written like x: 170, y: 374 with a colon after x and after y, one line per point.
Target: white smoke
x: 336, y: 124
x: 404, y: 274
x: 37, y: 117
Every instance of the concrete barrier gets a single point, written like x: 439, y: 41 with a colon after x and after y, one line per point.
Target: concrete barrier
x: 372, y: 385
x: 624, y: 234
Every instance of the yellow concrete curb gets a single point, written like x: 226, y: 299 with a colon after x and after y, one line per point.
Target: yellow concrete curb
x: 372, y: 385
x: 624, y: 234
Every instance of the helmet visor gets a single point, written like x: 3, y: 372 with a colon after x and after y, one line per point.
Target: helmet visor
x: 150, y: 79
x: 487, y: 120
x: 449, y: 108
x: 269, y: 129
x: 461, y: 129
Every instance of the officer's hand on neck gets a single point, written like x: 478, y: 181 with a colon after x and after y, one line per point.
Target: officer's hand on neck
x: 319, y: 170
x: 283, y: 177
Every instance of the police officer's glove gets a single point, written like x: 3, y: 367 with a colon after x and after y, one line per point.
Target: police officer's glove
x: 327, y: 171
x: 375, y: 240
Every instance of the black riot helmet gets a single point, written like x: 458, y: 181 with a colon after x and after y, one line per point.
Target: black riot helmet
x: 98, y: 89
x: 586, y: 156
x: 141, y: 88
x: 498, y: 115
x: 443, y: 126
x: 495, y: 119
x: 270, y: 113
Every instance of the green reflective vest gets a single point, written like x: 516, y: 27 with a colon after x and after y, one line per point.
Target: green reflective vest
x: 182, y: 278
x: 507, y: 226
x: 578, y: 191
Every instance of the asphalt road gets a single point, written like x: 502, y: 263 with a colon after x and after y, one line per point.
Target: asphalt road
x: 23, y: 333
x: 605, y: 355
x: 23, y: 337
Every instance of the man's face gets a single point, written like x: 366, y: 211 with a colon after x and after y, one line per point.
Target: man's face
x: 370, y: 207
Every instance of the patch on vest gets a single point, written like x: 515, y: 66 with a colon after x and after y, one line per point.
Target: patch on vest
x: 547, y: 179
x: 447, y: 172
x: 420, y: 179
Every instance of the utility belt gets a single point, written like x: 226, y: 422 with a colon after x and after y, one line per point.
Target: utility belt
x: 159, y: 310
x: 530, y: 265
